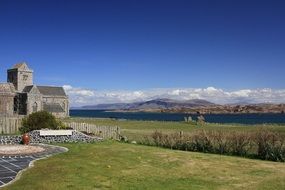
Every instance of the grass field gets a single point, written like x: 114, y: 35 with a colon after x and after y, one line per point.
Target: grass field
x: 135, y: 130
x: 113, y: 165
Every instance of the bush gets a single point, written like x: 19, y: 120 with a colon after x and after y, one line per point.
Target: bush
x: 173, y: 141
x: 263, y: 145
x: 240, y: 143
x: 40, y: 120
x: 157, y: 136
x: 221, y: 142
x: 202, y: 142
x: 61, y: 125
x: 270, y: 146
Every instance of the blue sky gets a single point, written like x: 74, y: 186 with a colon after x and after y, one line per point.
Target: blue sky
x: 148, y: 44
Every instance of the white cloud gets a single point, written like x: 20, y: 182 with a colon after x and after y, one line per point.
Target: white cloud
x: 211, y: 89
x: 81, y: 96
x: 78, y: 91
x: 241, y: 93
x: 67, y: 87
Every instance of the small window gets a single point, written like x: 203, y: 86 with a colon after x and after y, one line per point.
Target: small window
x: 25, y: 77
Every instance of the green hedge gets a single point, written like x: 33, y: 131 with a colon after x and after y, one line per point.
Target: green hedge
x: 264, y: 144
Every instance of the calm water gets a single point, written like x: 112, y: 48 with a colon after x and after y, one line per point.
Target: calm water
x: 213, y: 118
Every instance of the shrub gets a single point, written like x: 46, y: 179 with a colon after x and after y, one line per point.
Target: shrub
x: 157, y: 138
x: 221, y: 142
x: 270, y: 146
x: 202, y: 142
x: 61, y: 125
x: 172, y: 141
x: 40, y: 120
x: 263, y: 145
x: 146, y: 140
x: 240, y: 143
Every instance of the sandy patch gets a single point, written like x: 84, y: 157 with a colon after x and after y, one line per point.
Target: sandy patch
x: 19, y: 149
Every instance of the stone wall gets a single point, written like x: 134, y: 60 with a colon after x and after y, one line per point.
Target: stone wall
x: 7, y: 104
x: 75, y: 137
x: 34, y: 103
x: 62, y: 101
x: 13, y: 139
x: 36, y: 138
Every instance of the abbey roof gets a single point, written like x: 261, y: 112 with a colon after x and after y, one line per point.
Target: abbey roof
x: 47, y: 90
x: 21, y: 66
x: 53, y: 107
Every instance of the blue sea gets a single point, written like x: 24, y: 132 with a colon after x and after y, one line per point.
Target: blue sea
x: 211, y: 118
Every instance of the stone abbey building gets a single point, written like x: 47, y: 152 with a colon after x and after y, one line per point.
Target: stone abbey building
x: 19, y: 96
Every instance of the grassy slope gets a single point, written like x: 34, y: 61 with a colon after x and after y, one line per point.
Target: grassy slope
x: 137, y: 129
x: 111, y: 165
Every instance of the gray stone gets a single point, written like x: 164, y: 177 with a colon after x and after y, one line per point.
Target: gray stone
x: 37, y: 138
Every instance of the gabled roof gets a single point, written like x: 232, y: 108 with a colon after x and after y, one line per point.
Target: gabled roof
x: 21, y: 65
x: 28, y: 89
x: 56, y: 108
x: 51, y: 90
x: 46, y: 90
x: 7, y: 88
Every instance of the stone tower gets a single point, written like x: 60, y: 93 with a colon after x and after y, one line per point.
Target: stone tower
x: 21, y: 76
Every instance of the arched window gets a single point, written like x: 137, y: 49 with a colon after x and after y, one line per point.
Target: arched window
x: 35, y: 107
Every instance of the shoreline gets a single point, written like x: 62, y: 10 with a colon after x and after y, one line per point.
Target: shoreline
x: 179, y: 112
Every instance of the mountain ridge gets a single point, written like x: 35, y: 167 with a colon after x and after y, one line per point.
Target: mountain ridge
x: 191, y: 106
x: 160, y: 103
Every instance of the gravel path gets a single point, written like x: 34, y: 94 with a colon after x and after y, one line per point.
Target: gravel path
x: 19, y: 149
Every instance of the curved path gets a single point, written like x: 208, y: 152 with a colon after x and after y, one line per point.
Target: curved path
x: 10, y: 166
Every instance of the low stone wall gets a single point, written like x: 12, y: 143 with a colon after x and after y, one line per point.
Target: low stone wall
x: 36, y: 138
x: 75, y: 137
x: 13, y: 139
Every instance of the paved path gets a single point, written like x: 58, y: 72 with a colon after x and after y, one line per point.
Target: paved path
x: 10, y: 166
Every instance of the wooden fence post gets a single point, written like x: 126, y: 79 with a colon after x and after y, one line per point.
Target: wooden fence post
x: 104, y: 132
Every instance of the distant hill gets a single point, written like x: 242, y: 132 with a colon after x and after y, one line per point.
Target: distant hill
x: 108, y: 106
x: 152, y: 104
x: 189, y: 106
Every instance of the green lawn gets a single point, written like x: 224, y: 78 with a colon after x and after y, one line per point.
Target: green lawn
x: 113, y: 165
x: 135, y: 130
